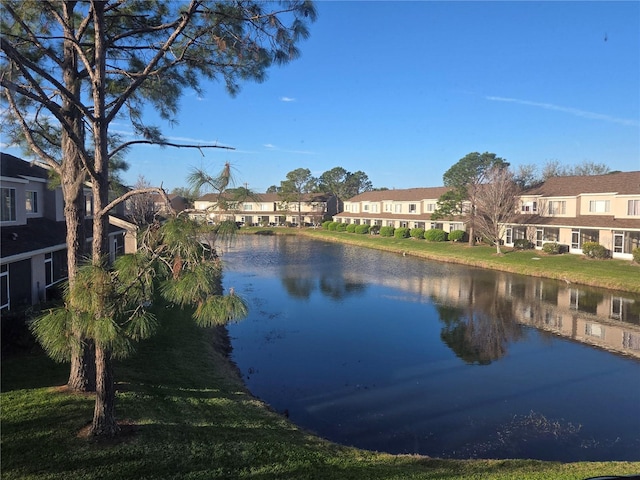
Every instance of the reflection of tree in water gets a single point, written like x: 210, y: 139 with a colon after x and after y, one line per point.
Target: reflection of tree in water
x: 336, y: 287
x: 479, y: 332
x: 303, y: 271
x: 298, y: 286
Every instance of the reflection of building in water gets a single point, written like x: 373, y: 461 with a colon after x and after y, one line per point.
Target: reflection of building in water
x: 594, y: 317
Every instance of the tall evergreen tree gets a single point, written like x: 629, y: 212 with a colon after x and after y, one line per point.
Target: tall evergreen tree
x: 54, y: 68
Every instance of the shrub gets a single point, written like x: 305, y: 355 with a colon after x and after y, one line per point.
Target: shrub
x: 341, y: 227
x: 325, y: 224
x: 436, y: 235
x: 351, y: 228
x: 554, y: 248
x: 374, y: 229
x: 636, y: 254
x: 387, y: 231
x: 333, y: 226
x: 362, y: 229
x: 458, y: 235
x: 402, y: 232
x: 522, y: 244
x: 417, y: 233
x: 594, y: 250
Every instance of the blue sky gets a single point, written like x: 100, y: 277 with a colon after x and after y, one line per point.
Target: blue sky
x: 403, y: 90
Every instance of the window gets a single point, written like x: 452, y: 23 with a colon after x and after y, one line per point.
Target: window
x: 557, y: 207
x: 431, y: 207
x: 88, y: 205
x: 264, y: 207
x: 4, y: 286
x: 529, y: 207
x: 412, y: 208
x: 247, y: 206
x: 551, y: 234
x: 365, y: 207
x: 598, y: 206
x: 374, y: 208
x: 32, y: 202
x: 387, y: 207
x: 575, y: 239
x: 397, y: 208
x: 8, y: 207
x: 48, y: 269
x: 633, y: 207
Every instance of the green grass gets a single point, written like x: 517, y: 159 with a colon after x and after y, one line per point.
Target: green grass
x: 186, y: 414
x: 613, y: 274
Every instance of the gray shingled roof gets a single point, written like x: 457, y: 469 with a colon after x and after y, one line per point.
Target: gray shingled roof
x: 623, y: 183
x: 14, y: 167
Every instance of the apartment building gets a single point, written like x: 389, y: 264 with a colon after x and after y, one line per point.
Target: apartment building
x: 578, y: 209
x: 410, y: 208
x: 267, y: 209
x: 33, y: 250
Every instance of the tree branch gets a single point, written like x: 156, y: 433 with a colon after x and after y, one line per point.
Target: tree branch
x: 139, y: 191
x: 167, y: 144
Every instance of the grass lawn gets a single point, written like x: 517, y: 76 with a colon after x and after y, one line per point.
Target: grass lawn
x: 185, y: 413
x: 613, y: 274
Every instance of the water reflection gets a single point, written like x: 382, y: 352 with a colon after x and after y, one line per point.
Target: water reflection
x: 408, y: 356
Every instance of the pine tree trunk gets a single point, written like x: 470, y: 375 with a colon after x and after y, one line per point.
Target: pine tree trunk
x: 104, y: 420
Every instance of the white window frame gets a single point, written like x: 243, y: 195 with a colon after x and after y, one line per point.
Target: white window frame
x: 633, y: 208
x: 9, y: 208
x: 557, y: 207
x: 48, y: 259
x: 599, y: 206
x: 413, y: 208
x: 4, y: 272
x: 397, y: 208
x: 31, y: 202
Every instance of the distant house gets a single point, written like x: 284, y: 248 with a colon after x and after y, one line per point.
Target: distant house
x: 578, y: 209
x: 410, y: 208
x: 33, y: 250
x: 267, y: 209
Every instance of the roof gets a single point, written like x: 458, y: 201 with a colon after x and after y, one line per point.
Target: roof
x: 14, y: 167
x: 38, y: 234
x: 594, y: 221
x: 622, y: 183
x: 401, y: 195
x: 267, y: 197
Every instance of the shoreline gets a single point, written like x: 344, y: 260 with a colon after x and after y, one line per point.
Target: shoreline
x: 490, y: 261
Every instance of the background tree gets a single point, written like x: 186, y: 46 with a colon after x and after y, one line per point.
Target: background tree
x: 155, y: 50
x: 463, y: 178
x: 357, y: 183
x: 141, y: 207
x: 343, y: 184
x: 296, y: 187
x: 496, y: 203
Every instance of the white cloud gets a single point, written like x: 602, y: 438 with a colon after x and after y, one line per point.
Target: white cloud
x: 569, y: 110
x: 287, y: 99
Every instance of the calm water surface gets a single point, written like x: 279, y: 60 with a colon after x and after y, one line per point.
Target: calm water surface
x: 402, y: 355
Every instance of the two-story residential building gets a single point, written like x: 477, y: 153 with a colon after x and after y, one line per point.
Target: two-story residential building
x: 33, y: 250
x: 410, y: 208
x: 577, y: 209
x: 267, y: 209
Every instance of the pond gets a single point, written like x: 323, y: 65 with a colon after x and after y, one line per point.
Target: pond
x: 402, y: 355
